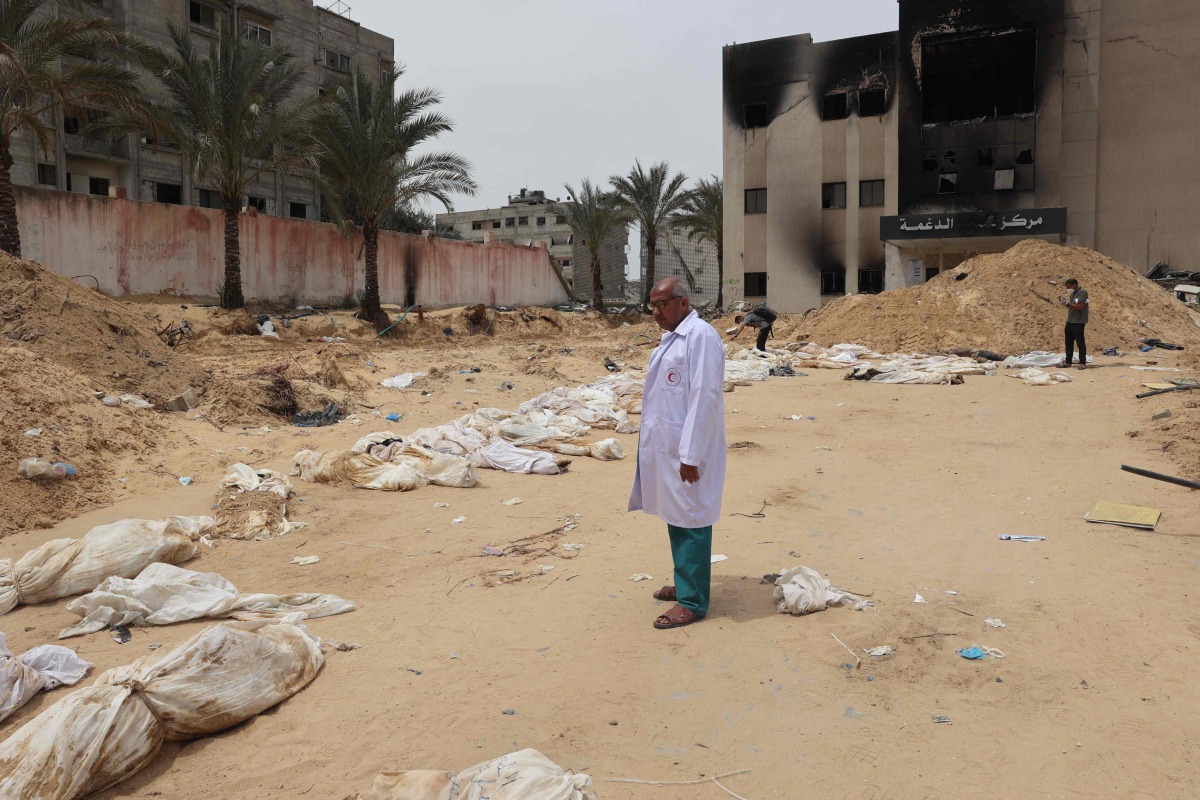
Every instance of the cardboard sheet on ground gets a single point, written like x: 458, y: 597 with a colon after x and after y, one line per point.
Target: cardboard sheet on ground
x: 164, y: 594
x: 41, y: 669
x: 1127, y: 516
x: 98, y: 736
x: 65, y: 567
x: 524, y: 775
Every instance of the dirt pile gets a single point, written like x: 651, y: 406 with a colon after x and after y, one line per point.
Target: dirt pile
x: 110, y: 344
x: 72, y: 426
x: 1007, y: 303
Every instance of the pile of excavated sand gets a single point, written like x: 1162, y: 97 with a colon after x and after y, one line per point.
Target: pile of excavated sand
x: 110, y: 344
x: 36, y: 393
x: 1007, y: 303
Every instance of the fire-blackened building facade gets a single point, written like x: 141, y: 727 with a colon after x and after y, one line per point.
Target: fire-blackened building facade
x: 875, y: 162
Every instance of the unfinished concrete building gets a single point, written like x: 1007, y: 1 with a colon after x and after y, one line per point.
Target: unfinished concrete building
x: 529, y: 216
x: 876, y: 162
x: 326, y: 39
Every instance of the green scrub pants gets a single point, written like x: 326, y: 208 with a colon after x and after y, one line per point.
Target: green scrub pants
x: 691, y: 550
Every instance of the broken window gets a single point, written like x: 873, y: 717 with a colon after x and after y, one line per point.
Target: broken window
x: 1025, y: 156
x: 98, y: 186
x: 984, y: 157
x: 930, y: 162
x: 835, y: 106
x: 872, y: 103
x: 755, y: 115
x: 167, y: 193
x: 951, y: 158
x: 982, y: 74
x: 833, y: 195
x: 756, y: 284
x: 756, y: 201
x: 1004, y: 180
x: 870, y: 193
x: 833, y: 281
x: 203, y: 15
x: 257, y: 203
x: 298, y: 210
x: 870, y: 281
x: 948, y: 183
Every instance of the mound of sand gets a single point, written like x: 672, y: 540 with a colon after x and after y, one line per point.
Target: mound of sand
x: 75, y: 428
x: 110, y: 344
x: 1007, y: 303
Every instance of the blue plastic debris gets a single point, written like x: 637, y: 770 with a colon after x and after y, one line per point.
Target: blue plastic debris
x: 973, y: 653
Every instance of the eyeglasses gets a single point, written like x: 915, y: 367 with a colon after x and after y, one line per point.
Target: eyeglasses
x: 659, y: 305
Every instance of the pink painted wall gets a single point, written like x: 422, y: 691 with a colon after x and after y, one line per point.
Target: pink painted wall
x: 134, y: 247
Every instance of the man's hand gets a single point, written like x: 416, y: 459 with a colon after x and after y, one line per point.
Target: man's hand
x: 688, y: 473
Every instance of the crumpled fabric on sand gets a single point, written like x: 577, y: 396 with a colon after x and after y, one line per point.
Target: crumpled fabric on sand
x: 524, y: 775
x: 801, y: 590
x: 40, y: 669
x: 406, y: 466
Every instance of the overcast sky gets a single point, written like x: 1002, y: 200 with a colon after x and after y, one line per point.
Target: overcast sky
x: 548, y: 92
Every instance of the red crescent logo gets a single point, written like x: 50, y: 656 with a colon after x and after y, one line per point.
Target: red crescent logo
x: 672, y: 377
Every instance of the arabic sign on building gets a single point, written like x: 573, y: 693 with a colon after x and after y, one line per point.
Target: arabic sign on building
x: 1025, y: 222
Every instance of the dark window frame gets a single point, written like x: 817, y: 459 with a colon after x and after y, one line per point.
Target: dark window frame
x: 833, y: 282
x: 47, y: 170
x: 829, y: 195
x: 336, y: 60
x: 99, y: 186
x: 175, y: 190
x: 756, y: 201
x: 871, y: 194
x: 754, y: 115
x: 292, y: 206
x: 835, y: 106
x: 870, y: 281
x: 197, y: 12
x: 872, y: 102
x: 755, y: 280
x: 259, y: 204
x: 258, y: 30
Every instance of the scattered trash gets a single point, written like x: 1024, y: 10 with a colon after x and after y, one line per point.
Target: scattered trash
x: 1109, y: 351
x: 507, y: 386
x: 402, y: 381
x: 153, y: 646
x: 186, y: 480
x: 394, y: 417
x: 267, y: 328
x: 1126, y: 516
x: 1159, y: 343
x: 994, y: 623
x: 441, y: 505
x: 488, y: 550
x: 919, y: 598
x: 718, y: 558
x: 802, y: 590
x: 974, y: 653
x: 1163, y: 414
x: 318, y: 419
x: 458, y: 520
x: 611, y: 365
x: 469, y: 371
x: 512, y: 501
x: 35, y: 432
x: 121, y: 634
x: 1158, y: 476
x: 572, y: 548
x: 1008, y: 537
x: 941, y: 719
x: 43, y: 468
x: 544, y: 568
x: 112, y: 402
x: 882, y: 650
x: 341, y: 647
x: 333, y: 339
x: 641, y: 576
x: 304, y: 561
x: 508, y: 712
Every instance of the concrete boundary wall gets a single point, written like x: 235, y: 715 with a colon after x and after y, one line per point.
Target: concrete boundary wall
x: 134, y: 247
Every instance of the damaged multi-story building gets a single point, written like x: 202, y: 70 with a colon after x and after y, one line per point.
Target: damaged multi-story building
x: 324, y: 38
x: 876, y: 162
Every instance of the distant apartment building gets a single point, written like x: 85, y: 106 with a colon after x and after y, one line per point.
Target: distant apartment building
x: 529, y: 217
x: 695, y: 261
x: 877, y: 162
x: 331, y: 44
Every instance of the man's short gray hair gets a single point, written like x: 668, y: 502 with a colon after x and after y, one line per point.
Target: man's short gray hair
x: 673, y: 286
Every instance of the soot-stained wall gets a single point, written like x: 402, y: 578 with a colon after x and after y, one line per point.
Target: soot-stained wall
x: 972, y: 150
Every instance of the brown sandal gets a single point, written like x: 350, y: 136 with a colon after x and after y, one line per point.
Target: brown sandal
x: 676, y: 617
x: 666, y: 593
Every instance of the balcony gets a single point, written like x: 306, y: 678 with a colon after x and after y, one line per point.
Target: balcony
x: 98, y: 148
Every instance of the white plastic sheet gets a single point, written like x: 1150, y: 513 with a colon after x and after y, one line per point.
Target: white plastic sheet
x: 524, y: 775
x: 403, y: 472
x: 245, y: 478
x: 65, y: 567
x: 402, y: 381
x: 1037, y: 358
x: 801, y: 590
x: 41, y: 669
x: 97, y: 736
x: 164, y: 594
x: 1032, y: 376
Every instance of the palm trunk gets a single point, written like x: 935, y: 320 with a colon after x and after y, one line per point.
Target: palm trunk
x: 370, y: 300
x: 231, y: 295
x: 648, y: 272
x: 597, y: 284
x: 720, y: 280
x: 10, y: 235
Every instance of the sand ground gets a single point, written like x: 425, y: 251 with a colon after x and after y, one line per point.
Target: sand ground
x: 1096, y: 696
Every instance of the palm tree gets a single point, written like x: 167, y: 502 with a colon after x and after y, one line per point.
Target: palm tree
x: 33, y: 85
x: 704, y: 216
x: 370, y: 171
x: 651, y: 198
x: 594, y: 216
x: 232, y: 115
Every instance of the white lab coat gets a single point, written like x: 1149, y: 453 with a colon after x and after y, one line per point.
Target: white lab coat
x: 683, y: 420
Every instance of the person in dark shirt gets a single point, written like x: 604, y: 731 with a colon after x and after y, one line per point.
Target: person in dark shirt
x: 762, y: 318
x: 1077, y: 319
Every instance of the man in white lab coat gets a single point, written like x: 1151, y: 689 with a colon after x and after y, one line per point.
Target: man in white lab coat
x: 681, y: 450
